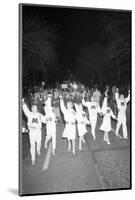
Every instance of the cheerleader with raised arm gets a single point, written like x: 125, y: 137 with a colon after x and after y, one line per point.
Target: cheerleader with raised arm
x: 70, y: 126
x: 107, y: 115
x: 122, y: 107
x: 50, y: 124
x: 93, y: 110
x: 34, y: 123
x: 82, y: 121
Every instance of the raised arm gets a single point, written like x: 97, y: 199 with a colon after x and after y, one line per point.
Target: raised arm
x: 104, y: 105
x: 48, y: 101
x: 25, y: 109
x: 76, y: 107
x: 84, y: 102
x: 98, y: 108
x: 62, y: 105
x: 128, y: 98
x: 117, y: 96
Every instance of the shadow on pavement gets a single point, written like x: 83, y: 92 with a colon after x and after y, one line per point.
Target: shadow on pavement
x: 13, y: 191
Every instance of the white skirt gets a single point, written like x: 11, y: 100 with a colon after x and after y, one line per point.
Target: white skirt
x: 106, y: 125
x: 50, y: 129
x: 70, y: 131
x: 122, y: 117
x: 81, y: 129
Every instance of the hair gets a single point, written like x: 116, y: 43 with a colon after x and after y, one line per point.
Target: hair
x: 121, y: 94
x: 69, y: 101
x: 33, y: 104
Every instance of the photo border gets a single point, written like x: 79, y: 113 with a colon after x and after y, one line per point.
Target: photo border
x: 20, y: 5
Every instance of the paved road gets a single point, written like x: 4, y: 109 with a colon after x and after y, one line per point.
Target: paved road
x: 65, y: 172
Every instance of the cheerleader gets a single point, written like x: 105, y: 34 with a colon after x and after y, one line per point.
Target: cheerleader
x: 81, y: 123
x: 106, y: 124
x: 122, y: 107
x: 35, y: 120
x: 70, y: 127
x: 50, y: 124
x: 93, y: 110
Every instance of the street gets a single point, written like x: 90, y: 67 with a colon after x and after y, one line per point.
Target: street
x: 98, y: 166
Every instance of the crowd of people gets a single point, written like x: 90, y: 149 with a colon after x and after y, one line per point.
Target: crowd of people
x: 77, y: 107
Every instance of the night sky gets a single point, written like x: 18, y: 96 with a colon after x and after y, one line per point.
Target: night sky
x: 75, y: 28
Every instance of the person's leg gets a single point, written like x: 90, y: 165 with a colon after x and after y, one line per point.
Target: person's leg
x: 83, y: 140
x: 80, y: 143
x: 73, y: 147
x: 32, y: 146
x: 107, y: 138
x: 117, y: 128
x: 69, y: 144
x: 54, y: 141
x: 48, y: 137
x: 124, y: 127
x: 93, y: 127
x: 38, y: 141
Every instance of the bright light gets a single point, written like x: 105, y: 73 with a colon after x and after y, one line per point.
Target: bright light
x: 75, y: 86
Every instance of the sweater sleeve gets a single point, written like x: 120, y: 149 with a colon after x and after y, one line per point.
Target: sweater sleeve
x: 62, y: 106
x: 128, y: 98
x: 84, y: 103
x: 26, y: 110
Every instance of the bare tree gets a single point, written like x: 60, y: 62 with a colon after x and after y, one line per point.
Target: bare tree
x: 115, y: 30
x: 39, y: 53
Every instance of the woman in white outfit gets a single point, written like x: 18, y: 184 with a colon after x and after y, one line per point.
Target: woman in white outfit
x: 35, y: 120
x: 70, y: 126
x: 82, y: 121
x: 93, y: 110
x: 106, y: 124
x: 122, y: 107
x: 50, y: 125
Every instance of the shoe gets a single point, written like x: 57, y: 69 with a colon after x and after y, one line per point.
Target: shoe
x: 33, y: 162
x: 108, y: 142
x: 94, y: 138
x: 105, y: 139
x: 69, y: 150
x: 126, y: 138
x: 53, y: 152
x: 73, y: 153
x: 119, y: 136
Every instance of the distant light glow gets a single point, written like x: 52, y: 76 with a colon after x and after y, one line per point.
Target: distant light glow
x: 75, y: 86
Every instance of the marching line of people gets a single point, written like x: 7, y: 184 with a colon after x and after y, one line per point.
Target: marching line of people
x: 76, y: 120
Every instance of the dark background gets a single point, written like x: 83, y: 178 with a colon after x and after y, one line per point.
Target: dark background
x: 61, y: 43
